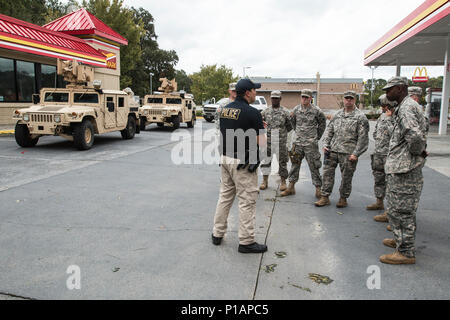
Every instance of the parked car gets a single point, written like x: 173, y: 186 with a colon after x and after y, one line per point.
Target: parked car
x: 260, y: 103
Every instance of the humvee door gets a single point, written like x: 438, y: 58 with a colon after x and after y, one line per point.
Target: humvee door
x: 122, y: 111
x: 110, y: 111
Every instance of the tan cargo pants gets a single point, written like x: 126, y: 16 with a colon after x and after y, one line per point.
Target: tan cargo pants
x: 245, y: 185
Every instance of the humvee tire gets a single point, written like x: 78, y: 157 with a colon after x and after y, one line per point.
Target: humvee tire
x: 23, y: 137
x: 142, y: 125
x: 159, y: 124
x: 83, y: 135
x: 209, y: 119
x: 130, y: 130
x: 191, y: 123
x: 176, y: 120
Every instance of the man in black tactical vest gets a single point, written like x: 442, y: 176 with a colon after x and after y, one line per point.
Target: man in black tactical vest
x: 242, y: 133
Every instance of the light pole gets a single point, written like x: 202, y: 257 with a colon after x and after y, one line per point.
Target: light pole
x: 244, y: 70
x: 151, y: 88
x: 372, y: 87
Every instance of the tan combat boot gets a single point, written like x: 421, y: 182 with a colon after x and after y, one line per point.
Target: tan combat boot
x: 381, y: 218
x: 389, y: 228
x: 283, y: 185
x: 342, y: 203
x: 390, y: 243
x: 397, y: 258
x: 318, y: 193
x: 379, y: 205
x: 264, y: 184
x: 324, y: 201
x: 289, y: 191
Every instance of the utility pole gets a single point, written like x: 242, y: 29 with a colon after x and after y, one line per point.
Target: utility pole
x: 151, y: 88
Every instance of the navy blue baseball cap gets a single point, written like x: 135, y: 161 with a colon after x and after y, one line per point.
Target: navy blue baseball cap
x: 246, y: 85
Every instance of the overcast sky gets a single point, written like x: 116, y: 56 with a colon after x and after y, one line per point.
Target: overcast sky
x: 279, y: 38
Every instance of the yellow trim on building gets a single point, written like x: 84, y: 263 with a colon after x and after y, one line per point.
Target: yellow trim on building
x: 39, y: 46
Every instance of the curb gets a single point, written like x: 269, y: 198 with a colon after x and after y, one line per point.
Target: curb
x: 6, y: 132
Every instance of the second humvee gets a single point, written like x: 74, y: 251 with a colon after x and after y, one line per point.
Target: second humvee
x: 77, y: 112
x: 168, y: 107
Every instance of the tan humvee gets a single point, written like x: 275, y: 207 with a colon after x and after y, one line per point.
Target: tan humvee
x: 168, y: 107
x: 77, y: 112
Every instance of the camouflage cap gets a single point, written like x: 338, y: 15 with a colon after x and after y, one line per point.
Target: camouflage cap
x: 415, y: 91
x: 396, y: 81
x: 232, y: 86
x: 307, y: 93
x: 350, y: 94
x: 275, y: 94
x: 384, y: 101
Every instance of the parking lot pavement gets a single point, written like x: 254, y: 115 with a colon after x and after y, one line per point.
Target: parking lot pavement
x: 139, y: 227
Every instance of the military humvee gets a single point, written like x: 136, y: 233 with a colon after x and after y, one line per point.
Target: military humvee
x: 77, y: 112
x: 168, y: 107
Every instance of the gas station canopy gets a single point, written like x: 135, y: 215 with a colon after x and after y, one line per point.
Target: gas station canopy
x: 421, y: 39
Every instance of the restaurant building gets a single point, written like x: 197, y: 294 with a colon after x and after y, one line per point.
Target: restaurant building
x: 327, y: 92
x: 28, y: 56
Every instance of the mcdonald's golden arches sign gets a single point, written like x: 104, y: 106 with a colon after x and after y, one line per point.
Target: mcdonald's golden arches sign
x: 420, y: 75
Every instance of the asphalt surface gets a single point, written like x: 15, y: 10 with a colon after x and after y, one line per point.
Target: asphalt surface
x: 139, y: 227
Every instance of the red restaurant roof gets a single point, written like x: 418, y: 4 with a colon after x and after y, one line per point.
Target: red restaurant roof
x: 26, y: 37
x: 82, y: 22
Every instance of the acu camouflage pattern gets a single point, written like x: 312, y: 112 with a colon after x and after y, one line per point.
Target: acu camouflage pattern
x: 403, y: 195
x: 347, y: 167
x: 278, y: 126
x: 408, y: 139
x: 404, y: 173
x: 382, y: 136
x: 310, y: 123
x: 347, y: 134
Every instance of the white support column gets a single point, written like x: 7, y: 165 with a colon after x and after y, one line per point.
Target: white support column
x: 445, y: 92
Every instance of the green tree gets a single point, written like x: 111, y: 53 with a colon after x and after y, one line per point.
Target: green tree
x: 377, y: 92
x: 183, y: 80
x: 33, y: 11
x: 160, y: 63
x: 121, y: 19
x: 211, y: 82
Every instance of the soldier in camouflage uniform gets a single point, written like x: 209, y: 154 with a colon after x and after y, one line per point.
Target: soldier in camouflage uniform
x: 416, y: 94
x: 278, y: 126
x: 382, y: 136
x: 347, y: 138
x: 404, y: 164
x: 310, y: 123
x: 232, y: 92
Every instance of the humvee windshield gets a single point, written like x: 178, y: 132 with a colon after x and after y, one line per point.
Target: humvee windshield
x: 173, y: 101
x: 155, y: 100
x: 85, y: 98
x: 56, y: 97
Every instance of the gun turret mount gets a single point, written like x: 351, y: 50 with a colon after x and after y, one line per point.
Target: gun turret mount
x: 168, y: 86
x: 74, y: 73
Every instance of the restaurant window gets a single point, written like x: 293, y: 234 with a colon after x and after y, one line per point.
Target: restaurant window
x: 26, y: 80
x: 48, y: 76
x: 7, y: 82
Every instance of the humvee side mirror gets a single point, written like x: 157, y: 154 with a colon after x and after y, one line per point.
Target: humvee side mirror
x: 110, y: 106
x: 36, y: 98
